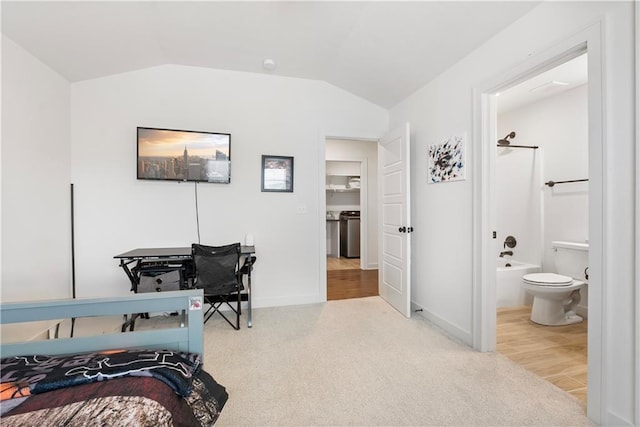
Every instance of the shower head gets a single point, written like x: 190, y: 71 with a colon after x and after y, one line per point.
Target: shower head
x: 505, y: 140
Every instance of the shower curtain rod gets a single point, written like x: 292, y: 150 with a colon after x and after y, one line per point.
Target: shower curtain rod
x: 534, y: 147
x: 552, y: 183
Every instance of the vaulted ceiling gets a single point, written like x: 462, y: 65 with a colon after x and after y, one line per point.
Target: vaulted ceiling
x: 380, y: 51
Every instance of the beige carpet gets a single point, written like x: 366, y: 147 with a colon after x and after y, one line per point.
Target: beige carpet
x: 359, y: 362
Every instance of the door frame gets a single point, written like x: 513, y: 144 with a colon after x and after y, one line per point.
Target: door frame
x: 589, y: 40
x: 637, y: 263
x: 322, y: 198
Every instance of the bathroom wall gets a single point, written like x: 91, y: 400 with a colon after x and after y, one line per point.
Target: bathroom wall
x: 518, y: 192
x: 526, y: 208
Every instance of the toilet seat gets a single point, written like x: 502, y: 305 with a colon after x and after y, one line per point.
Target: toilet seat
x: 547, y: 279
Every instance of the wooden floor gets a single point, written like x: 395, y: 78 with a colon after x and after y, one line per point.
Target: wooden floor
x: 556, y: 353
x: 342, y: 263
x: 346, y: 280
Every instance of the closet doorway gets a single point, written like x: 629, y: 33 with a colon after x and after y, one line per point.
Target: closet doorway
x: 351, y: 218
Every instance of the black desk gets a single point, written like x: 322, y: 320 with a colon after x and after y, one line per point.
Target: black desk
x: 173, y: 256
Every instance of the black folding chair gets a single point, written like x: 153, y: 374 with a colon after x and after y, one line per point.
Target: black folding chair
x: 217, y: 274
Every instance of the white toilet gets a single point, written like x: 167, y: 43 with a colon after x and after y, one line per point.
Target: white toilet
x: 555, y: 296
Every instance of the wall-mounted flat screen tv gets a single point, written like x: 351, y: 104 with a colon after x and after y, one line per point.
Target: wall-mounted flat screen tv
x: 184, y: 155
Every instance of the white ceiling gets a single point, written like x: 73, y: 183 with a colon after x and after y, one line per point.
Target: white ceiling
x: 380, y: 51
x: 564, y: 77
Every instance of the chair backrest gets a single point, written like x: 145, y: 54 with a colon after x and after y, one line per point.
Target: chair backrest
x: 216, y: 268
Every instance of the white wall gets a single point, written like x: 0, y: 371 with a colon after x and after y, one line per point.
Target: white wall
x: 442, y: 276
x: 265, y: 114
x: 366, y: 151
x: 338, y: 175
x: 36, y: 169
x: 518, y: 196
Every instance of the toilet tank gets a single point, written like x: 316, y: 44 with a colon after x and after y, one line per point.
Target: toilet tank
x: 571, y: 258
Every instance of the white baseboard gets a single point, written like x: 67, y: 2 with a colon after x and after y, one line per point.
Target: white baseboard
x: 288, y: 300
x: 30, y: 331
x: 615, y: 421
x: 447, y: 328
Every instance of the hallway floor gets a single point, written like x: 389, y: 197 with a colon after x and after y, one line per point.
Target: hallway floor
x: 342, y: 263
x: 345, y: 279
x: 556, y: 353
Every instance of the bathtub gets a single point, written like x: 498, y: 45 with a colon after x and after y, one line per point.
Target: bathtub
x: 509, y: 291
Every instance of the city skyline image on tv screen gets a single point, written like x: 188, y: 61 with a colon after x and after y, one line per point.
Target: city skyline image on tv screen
x: 182, y: 155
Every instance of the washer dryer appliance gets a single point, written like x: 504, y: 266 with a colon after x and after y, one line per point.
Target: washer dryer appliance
x: 350, y: 234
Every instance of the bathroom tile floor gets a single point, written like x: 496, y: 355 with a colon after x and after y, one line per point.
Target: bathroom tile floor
x: 556, y: 353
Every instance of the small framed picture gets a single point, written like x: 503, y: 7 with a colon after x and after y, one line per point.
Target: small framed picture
x: 277, y: 174
x: 446, y: 160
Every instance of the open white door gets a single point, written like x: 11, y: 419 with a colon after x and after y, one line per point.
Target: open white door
x: 395, y: 239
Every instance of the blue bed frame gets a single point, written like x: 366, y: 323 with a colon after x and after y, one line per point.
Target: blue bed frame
x: 187, y: 338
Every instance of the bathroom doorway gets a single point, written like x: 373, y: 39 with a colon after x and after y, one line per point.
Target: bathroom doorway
x: 351, y: 212
x: 542, y: 196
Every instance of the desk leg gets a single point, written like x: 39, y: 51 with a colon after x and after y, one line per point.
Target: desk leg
x: 125, y: 323
x: 132, y: 277
x: 249, y: 319
x: 129, y: 322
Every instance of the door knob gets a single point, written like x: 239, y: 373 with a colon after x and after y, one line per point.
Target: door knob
x: 402, y: 229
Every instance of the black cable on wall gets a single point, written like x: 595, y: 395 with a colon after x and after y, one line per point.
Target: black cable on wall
x: 197, y: 216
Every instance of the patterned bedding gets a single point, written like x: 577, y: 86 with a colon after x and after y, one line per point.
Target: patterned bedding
x: 132, y: 387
